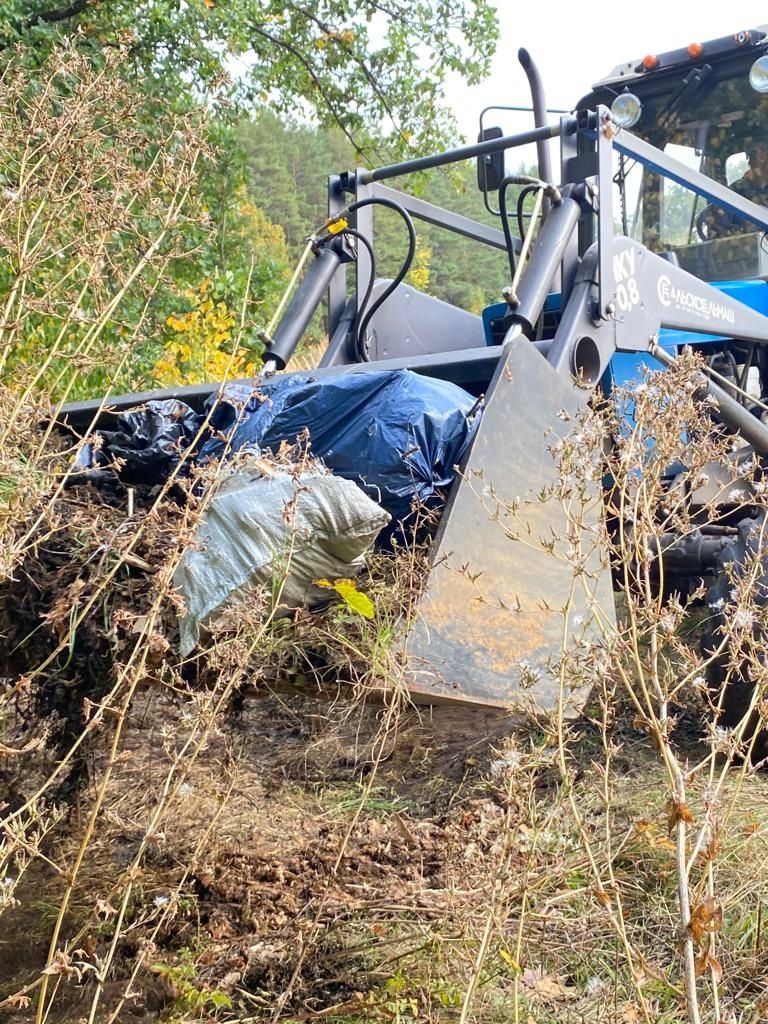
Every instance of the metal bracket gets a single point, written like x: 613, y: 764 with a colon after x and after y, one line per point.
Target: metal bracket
x: 605, y: 229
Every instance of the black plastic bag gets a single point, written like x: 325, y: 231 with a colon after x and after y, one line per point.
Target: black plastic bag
x: 148, y: 441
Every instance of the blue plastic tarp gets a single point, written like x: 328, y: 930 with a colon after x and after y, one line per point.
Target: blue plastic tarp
x: 397, y: 434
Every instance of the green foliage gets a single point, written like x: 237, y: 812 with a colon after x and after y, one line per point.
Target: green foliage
x: 142, y: 96
x: 356, y: 65
x: 444, y: 992
x: 111, y: 227
x: 376, y: 802
x: 190, y: 996
x: 92, y: 212
x: 411, y: 995
x: 288, y: 168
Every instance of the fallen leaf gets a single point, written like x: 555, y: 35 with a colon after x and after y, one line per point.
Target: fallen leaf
x: 19, y: 1000
x: 546, y: 987
x: 509, y: 960
x: 351, y: 596
x: 706, y: 963
x: 139, y: 624
x: 104, y: 909
x: 678, y: 810
x: 706, y: 918
x: 376, y: 829
x: 716, y: 968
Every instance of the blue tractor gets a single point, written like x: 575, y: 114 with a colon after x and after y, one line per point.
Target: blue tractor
x: 650, y: 237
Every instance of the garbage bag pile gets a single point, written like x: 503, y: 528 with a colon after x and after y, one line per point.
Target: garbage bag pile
x: 146, y: 444
x: 380, y: 442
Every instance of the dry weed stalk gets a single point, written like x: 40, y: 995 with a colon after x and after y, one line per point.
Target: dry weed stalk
x: 92, y: 211
x: 231, y: 658
x: 661, y: 657
x: 77, y: 184
x: 651, y: 652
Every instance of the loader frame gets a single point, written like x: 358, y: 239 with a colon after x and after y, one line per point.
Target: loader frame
x: 499, y: 639
x: 576, y: 247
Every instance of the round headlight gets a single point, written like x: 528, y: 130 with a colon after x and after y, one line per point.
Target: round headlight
x: 758, y: 74
x: 626, y: 110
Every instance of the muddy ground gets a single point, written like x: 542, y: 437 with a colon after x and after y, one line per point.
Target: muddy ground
x: 305, y: 851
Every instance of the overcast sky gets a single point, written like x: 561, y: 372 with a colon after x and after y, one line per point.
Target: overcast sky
x: 576, y: 44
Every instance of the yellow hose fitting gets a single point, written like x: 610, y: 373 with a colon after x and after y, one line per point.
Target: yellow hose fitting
x: 337, y: 226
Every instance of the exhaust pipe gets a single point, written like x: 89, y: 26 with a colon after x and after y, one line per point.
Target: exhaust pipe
x: 539, y: 104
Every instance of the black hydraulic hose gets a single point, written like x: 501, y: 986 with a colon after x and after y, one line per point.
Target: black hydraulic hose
x: 744, y: 378
x: 369, y: 288
x: 527, y: 191
x: 505, y: 183
x: 406, y: 266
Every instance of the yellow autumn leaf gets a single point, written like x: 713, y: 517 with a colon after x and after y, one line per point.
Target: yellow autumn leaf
x: 351, y: 596
x: 509, y: 960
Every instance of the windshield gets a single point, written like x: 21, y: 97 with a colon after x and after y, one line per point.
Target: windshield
x: 718, y: 127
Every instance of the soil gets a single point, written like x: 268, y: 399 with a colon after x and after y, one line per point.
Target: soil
x: 315, y: 840
x: 299, y: 857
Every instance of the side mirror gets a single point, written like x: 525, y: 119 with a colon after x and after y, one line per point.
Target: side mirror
x: 490, y: 168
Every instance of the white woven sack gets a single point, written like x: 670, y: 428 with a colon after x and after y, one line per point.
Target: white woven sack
x: 280, y: 530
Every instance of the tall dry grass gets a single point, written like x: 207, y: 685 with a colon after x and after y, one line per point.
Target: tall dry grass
x: 269, y: 830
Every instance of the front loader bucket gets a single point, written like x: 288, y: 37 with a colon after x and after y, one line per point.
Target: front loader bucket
x: 502, y: 600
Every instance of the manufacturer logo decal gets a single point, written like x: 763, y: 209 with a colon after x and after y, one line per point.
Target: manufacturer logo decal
x: 689, y: 302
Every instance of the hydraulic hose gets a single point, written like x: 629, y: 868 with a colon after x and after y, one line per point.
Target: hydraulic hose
x: 527, y: 191
x: 360, y: 347
x: 505, y: 183
x: 312, y: 288
x: 362, y: 240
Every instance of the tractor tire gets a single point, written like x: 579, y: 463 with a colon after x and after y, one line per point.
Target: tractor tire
x: 737, y: 556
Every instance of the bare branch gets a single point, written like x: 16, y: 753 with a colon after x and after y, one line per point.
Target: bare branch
x: 295, y: 52
x: 58, y: 14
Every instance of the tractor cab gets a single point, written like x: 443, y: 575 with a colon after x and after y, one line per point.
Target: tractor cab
x: 706, y: 106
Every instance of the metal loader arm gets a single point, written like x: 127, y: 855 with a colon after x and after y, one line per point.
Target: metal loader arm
x: 663, y: 164
x: 651, y: 294
x: 623, y: 294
